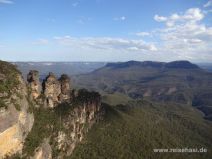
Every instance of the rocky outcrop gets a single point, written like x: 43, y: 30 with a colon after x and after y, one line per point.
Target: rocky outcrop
x: 34, y: 83
x: 65, y: 88
x: 71, y: 122
x: 15, y: 119
x: 12, y: 138
x: 62, y: 115
x: 53, y: 90
x: 44, y: 151
x: 76, y: 111
x: 77, y: 124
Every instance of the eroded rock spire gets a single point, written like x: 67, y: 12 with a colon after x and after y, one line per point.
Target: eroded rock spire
x: 53, y: 90
x: 34, y: 83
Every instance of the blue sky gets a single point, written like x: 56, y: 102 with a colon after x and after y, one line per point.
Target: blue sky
x: 105, y: 30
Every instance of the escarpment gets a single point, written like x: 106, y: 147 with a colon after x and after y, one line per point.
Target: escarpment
x: 16, y: 120
x: 43, y: 119
x: 63, y: 115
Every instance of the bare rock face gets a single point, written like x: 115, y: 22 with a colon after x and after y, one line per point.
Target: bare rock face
x: 34, y: 83
x: 65, y: 88
x: 74, y: 119
x: 64, y: 126
x: 77, y: 124
x: 15, y: 119
x: 44, y: 151
x: 52, y: 90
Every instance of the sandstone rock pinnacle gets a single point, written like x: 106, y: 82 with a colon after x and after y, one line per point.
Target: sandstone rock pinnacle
x: 51, y: 90
x: 65, y: 87
x: 34, y: 83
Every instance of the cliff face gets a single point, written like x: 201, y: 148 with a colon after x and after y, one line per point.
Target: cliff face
x: 52, y: 90
x: 43, y: 120
x: 15, y: 119
x: 76, y: 124
x: 61, y: 128
x: 62, y: 117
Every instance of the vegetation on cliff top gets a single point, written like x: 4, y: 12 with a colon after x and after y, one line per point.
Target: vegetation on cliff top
x: 8, y: 81
x: 134, y: 130
x: 48, y: 122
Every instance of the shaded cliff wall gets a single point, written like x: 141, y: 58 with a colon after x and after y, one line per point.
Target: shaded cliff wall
x: 15, y: 119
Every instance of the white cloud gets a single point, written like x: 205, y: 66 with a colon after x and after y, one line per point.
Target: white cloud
x: 192, y: 14
x: 185, y: 36
x: 143, y: 34
x: 106, y: 43
x: 160, y: 18
x: 122, y: 18
x: 208, y: 4
x: 6, y: 1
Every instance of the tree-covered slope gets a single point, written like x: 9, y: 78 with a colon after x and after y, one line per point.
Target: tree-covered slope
x: 134, y: 130
x: 178, y: 81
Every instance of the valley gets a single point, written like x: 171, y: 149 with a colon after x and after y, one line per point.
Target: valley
x: 178, y: 82
x: 105, y: 79
x: 143, y: 106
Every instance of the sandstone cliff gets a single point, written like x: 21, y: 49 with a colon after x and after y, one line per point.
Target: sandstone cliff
x: 34, y: 83
x: 64, y: 115
x: 15, y: 119
x: 43, y: 119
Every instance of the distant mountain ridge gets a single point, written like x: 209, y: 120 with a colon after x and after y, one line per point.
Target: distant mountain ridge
x: 174, y: 64
x: 70, y: 68
x: 54, y: 120
x: 178, y: 81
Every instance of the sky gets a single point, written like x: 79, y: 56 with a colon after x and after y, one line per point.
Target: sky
x: 106, y: 30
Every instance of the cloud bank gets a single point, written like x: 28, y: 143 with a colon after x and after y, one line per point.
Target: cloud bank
x: 6, y: 1
x: 183, y: 36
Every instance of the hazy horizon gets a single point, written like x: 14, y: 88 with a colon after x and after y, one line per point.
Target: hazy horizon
x: 100, y: 61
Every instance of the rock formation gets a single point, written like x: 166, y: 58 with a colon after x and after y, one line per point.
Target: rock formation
x: 56, y: 91
x: 77, y: 111
x: 44, y: 121
x: 33, y: 79
x: 78, y: 123
x: 65, y: 88
x: 16, y: 120
x: 52, y: 90
x: 44, y: 151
